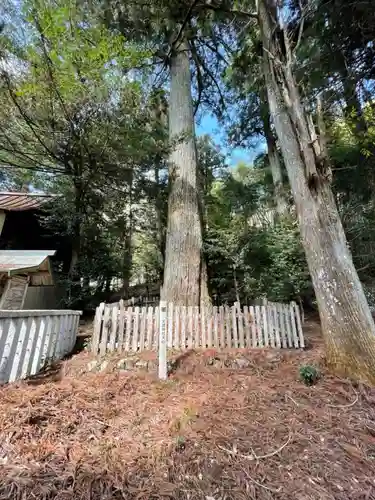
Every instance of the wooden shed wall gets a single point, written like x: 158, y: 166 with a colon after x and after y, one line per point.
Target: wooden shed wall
x: 43, y: 297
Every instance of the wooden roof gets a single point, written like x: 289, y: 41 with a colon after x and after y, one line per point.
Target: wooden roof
x: 27, y: 261
x: 23, y: 201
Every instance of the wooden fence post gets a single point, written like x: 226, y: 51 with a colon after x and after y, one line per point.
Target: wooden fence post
x: 97, y: 328
x: 162, y: 341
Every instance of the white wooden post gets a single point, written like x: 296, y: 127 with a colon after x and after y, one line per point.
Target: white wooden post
x: 163, y: 341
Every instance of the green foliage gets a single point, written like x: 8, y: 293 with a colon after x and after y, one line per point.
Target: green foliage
x: 309, y: 374
x: 252, y: 253
x: 278, y: 266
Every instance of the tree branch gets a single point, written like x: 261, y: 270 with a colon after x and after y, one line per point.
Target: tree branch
x: 185, y: 21
x: 212, y: 77
x: 199, y: 75
x: 27, y: 119
x: 234, y: 12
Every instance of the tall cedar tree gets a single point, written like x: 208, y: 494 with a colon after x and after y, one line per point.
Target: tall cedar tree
x: 185, y: 276
x: 347, y: 324
x: 185, y: 38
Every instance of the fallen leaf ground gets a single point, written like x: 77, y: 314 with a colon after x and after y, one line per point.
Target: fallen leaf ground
x: 209, y: 432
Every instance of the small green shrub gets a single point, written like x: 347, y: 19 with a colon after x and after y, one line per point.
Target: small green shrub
x: 309, y: 374
x: 180, y: 443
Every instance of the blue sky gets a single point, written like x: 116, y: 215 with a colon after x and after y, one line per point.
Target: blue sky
x: 208, y: 124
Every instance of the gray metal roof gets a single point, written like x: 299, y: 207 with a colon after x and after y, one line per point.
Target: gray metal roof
x: 23, y: 201
x: 16, y: 260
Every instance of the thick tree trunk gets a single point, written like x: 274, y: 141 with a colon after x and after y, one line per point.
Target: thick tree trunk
x: 185, y: 277
x: 347, y: 324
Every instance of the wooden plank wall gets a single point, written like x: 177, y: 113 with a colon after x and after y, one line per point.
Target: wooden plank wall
x: 30, y: 340
x: 122, y: 328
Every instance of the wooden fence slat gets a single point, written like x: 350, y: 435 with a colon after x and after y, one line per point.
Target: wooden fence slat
x: 34, y: 343
x: 48, y: 342
x: 258, y: 327
x: 15, y: 341
x: 209, y: 318
x: 57, y: 351
x: 29, y: 345
x: 293, y: 321
x: 7, y: 340
x: 129, y: 328
x: 16, y: 371
x: 299, y: 326
x: 177, y: 328
x: 114, y: 324
x: 253, y: 327
x: 247, y: 331
x: 56, y: 326
x: 60, y: 325
x: 75, y: 331
x: 280, y: 318
x: 105, y: 330
x: 150, y: 327
x: 183, y: 327
x: 121, y: 325
x: 276, y: 326
x: 270, y: 325
x: 155, y: 344
x: 287, y: 320
x: 221, y: 327
x: 136, y: 329
x: 143, y: 322
x: 39, y: 346
x: 288, y: 324
x: 171, y: 342
x: 241, y: 335
x: 162, y: 350
x: 197, y: 335
x: 228, y: 328
x: 203, y: 327
x: 234, y: 327
x: 67, y: 340
x: 216, y: 342
x: 190, y: 331
x: 98, y: 322
x: 265, y: 324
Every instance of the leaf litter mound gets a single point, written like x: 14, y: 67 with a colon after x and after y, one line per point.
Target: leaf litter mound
x: 209, y: 432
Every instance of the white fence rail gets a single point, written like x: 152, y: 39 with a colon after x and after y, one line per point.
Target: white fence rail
x: 136, y: 329
x: 29, y: 340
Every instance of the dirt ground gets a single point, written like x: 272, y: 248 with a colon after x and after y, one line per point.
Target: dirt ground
x: 209, y: 432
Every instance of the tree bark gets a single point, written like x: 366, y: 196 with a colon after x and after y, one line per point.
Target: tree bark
x: 127, y: 260
x: 76, y: 227
x: 185, y: 276
x: 127, y: 253
x: 275, y: 165
x: 347, y: 324
x: 160, y: 209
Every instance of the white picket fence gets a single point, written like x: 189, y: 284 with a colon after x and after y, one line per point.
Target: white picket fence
x: 136, y: 329
x: 31, y: 339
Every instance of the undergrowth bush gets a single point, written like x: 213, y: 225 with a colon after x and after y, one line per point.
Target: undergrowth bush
x: 309, y: 374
